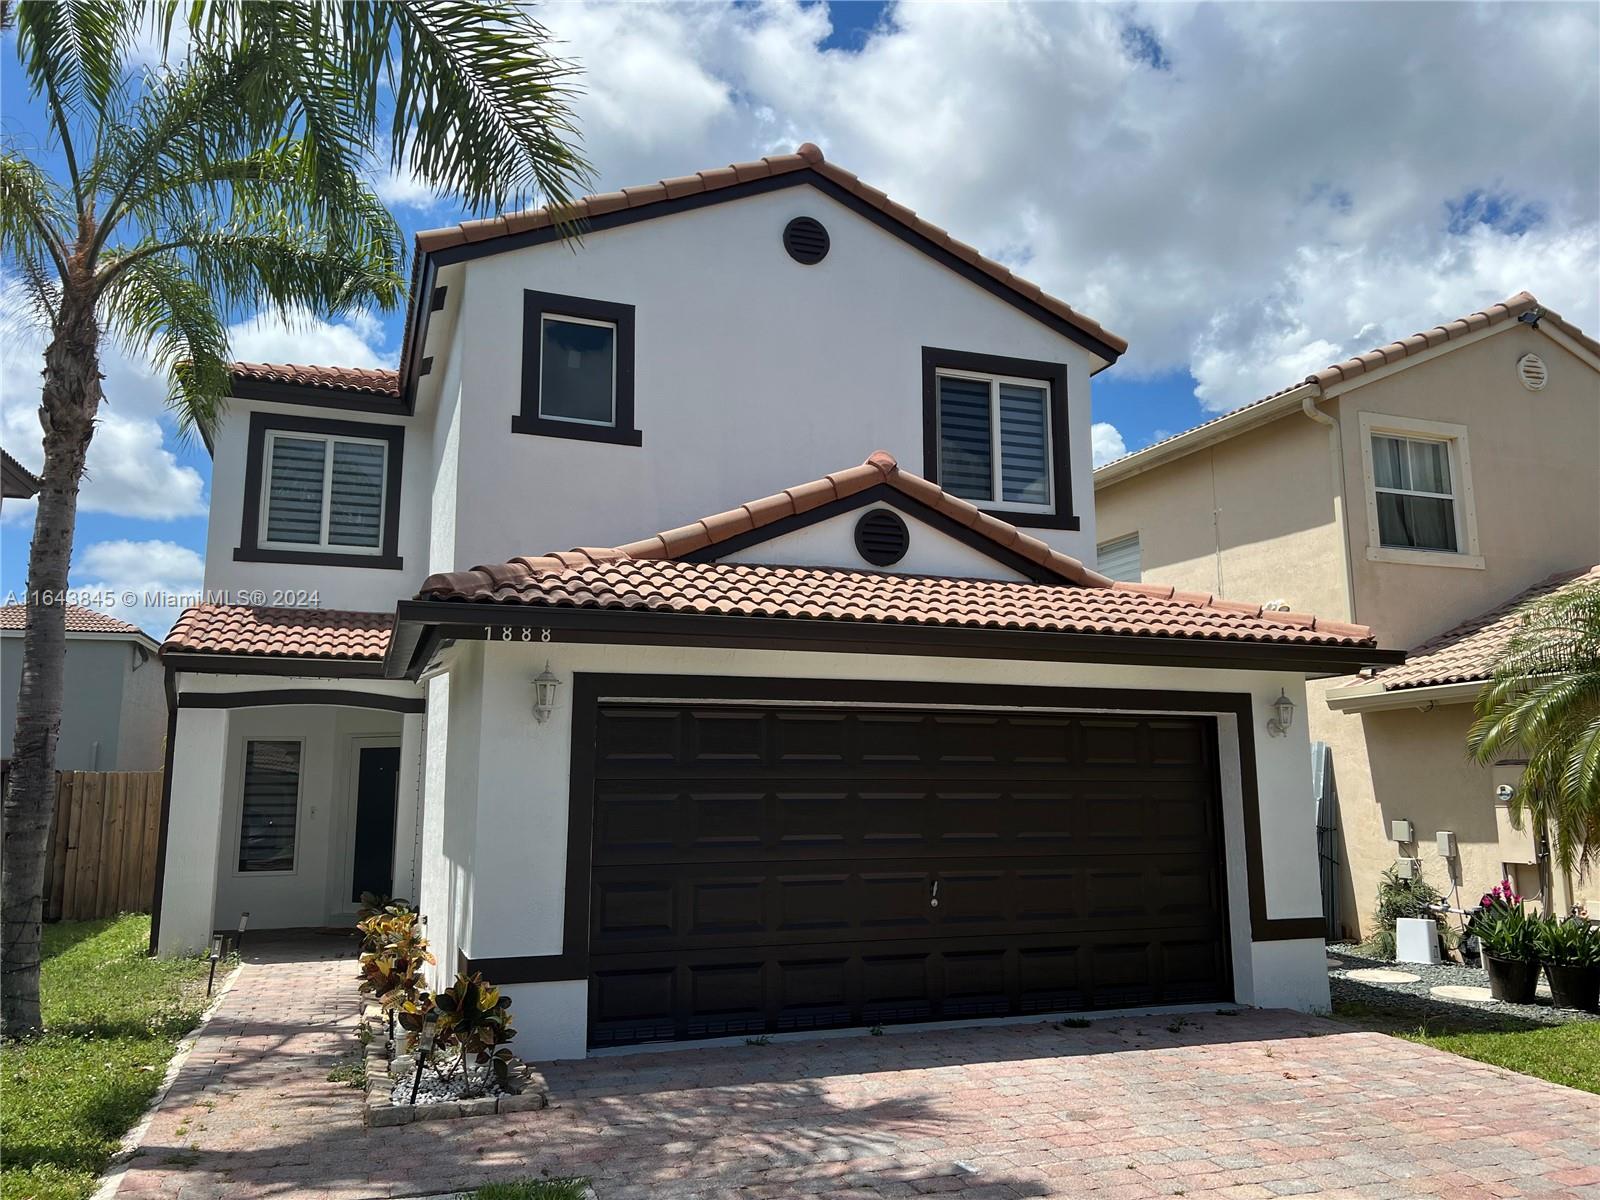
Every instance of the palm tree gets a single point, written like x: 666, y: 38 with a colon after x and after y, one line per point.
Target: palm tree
x: 1543, y: 702
x: 228, y: 181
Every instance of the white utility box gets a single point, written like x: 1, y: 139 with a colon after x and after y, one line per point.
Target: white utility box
x: 1401, y: 830
x: 1416, y: 940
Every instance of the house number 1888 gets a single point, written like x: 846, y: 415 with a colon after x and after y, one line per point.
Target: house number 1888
x: 514, y: 633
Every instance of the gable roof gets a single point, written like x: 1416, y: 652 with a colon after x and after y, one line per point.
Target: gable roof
x: 16, y: 481
x: 494, y: 235
x: 1468, y: 652
x: 80, y: 620
x: 1287, y: 400
x: 654, y: 574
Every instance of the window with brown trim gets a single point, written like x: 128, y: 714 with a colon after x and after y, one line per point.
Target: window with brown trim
x: 577, y: 369
x: 321, y: 492
x: 995, y: 432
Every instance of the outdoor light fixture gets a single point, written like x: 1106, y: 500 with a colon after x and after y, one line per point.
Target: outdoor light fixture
x: 430, y: 1029
x: 244, y: 920
x: 1279, y: 725
x: 544, y: 694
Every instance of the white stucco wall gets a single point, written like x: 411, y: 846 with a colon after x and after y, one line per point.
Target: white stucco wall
x: 753, y: 373
x: 518, y: 856
x: 831, y: 543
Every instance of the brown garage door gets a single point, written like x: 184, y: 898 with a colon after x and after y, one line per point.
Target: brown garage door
x: 759, y: 869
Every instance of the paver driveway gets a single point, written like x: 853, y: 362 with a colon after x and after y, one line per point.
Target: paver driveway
x: 1257, y: 1105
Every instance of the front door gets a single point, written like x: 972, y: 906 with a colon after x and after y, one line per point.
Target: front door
x: 377, y: 778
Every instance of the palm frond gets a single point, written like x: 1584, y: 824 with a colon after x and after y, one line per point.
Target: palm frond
x: 72, y: 52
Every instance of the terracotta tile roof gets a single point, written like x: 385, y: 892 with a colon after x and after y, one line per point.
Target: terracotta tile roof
x: 79, y: 620
x: 371, y: 381
x: 1382, y: 356
x: 1467, y: 653
x: 806, y: 158
x: 17, y: 481
x: 281, y: 632
x: 646, y: 575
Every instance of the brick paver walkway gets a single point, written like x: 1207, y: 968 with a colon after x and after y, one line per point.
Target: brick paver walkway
x: 1257, y: 1105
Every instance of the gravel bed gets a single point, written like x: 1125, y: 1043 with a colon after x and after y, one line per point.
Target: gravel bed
x: 1414, y: 999
x: 435, y: 1088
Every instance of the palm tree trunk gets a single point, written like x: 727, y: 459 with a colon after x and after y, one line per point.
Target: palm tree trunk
x: 69, y: 403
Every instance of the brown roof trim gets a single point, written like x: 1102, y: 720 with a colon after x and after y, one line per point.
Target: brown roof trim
x: 491, y: 583
x: 807, y: 157
x: 1245, y: 417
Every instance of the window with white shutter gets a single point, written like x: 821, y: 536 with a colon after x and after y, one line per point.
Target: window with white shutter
x: 994, y: 440
x: 269, y: 812
x: 1119, y: 559
x: 324, y: 492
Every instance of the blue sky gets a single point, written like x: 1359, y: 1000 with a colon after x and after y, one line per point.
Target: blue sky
x: 1204, y: 180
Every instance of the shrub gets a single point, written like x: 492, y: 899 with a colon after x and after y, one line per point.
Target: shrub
x: 1567, y: 943
x: 393, y: 955
x: 1398, y: 898
x: 1508, y: 933
x: 474, y: 1020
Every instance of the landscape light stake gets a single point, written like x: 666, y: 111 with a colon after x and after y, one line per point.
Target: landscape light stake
x: 216, y: 953
x: 238, y: 942
x: 424, y: 1049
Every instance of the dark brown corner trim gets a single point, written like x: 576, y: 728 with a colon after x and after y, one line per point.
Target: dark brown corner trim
x: 935, y: 358
x: 262, y: 664
x: 170, y: 685
x: 535, y: 307
x: 589, y: 689
x: 262, y: 423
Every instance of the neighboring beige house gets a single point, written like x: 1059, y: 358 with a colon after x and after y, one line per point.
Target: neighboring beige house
x: 1418, y: 489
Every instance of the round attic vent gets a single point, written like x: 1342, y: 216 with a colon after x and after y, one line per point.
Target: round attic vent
x: 806, y: 241
x: 882, y: 537
x: 1532, y: 371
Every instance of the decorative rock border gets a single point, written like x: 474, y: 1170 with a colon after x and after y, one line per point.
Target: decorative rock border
x: 384, y: 1067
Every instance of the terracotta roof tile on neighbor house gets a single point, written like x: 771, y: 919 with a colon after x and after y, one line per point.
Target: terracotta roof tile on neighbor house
x: 1467, y: 653
x: 806, y: 158
x: 280, y: 632
x: 370, y: 380
x: 646, y: 575
x: 1382, y: 356
x: 79, y: 620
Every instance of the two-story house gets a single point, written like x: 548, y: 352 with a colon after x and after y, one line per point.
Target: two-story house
x: 1422, y: 488
x: 860, y: 738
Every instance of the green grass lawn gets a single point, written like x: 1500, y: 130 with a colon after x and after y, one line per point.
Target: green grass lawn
x: 532, y: 1189
x: 1567, y: 1054
x: 112, y: 1017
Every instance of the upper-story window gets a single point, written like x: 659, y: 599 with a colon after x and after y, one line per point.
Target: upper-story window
x: 321, y: 492
x: 1120, y: 558
x: 577, y: 369
x: 324, y: 492
x: 1419, y: 492
x: 995, y: 433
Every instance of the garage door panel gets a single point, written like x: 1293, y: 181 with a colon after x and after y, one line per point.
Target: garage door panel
x: 769, y: 869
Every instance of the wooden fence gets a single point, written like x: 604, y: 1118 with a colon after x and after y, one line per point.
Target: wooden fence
x: 102, y: 844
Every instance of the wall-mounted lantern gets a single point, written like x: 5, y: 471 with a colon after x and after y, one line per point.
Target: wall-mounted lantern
x: 1279, y: 725
x: 544, y: 694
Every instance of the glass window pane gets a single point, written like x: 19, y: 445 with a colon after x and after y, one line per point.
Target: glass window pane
x: 294, y: 496
x: 271, y: 796
x: 1430, y: 467
x: 966, y: 450
x: 357, y: 503
x: 1416, y: 522
x: 1024, y: 445
x: 1389, y: 463
x: 576, y: 372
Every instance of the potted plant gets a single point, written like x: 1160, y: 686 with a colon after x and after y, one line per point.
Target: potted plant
x: 1510, y: 952
x: 1570, y: 951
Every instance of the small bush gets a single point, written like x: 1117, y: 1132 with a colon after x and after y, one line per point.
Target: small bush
x: 1567, y: 943
x: 1399, y: 898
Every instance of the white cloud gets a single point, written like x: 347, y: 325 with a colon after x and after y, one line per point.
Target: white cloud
x: 354, y: 341
x: 1107, y: 442
x: 148, y: 583
x: 1251, y: 210
x: 131, y: 469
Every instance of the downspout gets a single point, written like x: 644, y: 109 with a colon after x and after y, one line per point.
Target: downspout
x: 1308, y: 405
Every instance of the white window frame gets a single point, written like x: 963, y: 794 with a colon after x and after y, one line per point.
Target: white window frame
x: 544, y: 320
x: 996, y: 503
x: 299, y: 807
x: 1454, y: 437
x: 322, y: 544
